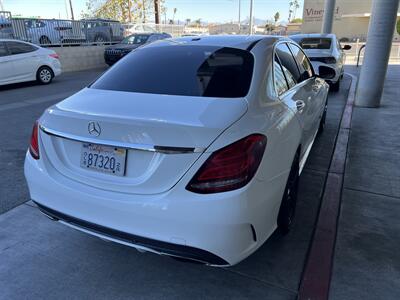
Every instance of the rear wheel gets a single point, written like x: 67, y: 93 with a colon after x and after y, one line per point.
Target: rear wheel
x: 100, y: 39
x: 44, y: 75
x: 289, y: 199
x: 323, y: 119
x: 44, y: 40
x: 336, y: 86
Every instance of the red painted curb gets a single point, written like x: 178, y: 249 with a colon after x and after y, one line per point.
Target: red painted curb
x: 317, y: 272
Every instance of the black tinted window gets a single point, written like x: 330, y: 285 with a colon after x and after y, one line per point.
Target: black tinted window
x: 18, y: 48
x: 205, y: 71
x: 3, y: 49
x: 302, y: 62
x: 279, y: 79
x: 287, y: 61
x: 315, y: 43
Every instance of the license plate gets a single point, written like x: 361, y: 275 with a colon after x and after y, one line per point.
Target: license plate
x: 105, y: 159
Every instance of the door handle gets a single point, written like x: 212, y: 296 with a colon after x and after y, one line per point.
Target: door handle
x: 300, y: 104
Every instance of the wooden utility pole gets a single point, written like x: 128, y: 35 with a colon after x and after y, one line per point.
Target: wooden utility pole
x: 72, y: 10
x: 157, y: 11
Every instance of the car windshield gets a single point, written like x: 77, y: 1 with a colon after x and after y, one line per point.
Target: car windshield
x: 135, y: 39
x: 315, y: 43
x: 204, y: 71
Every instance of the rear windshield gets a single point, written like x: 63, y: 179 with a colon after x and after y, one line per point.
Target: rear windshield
x: 204, y: 71
x: 135, y: 39
x: 315, y: 43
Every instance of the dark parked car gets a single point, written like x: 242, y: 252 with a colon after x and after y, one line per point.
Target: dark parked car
x: 115, y: 52
x: 102, y: 30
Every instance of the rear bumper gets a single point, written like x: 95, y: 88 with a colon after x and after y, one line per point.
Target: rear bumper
x: 157, y: 246
x: 219, y: 230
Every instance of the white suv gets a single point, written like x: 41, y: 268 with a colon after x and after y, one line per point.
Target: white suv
x: 324, y: 51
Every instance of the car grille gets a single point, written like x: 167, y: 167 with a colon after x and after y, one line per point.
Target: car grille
x: 114, y: 52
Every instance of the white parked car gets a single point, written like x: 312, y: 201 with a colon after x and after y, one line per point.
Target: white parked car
x: 22, y: 61
x: 324, y: 51
x: 188, y: 147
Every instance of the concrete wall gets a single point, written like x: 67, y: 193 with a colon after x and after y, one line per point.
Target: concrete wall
x: 81, y: 58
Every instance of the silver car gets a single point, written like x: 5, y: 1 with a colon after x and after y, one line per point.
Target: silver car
x: 324, y: 51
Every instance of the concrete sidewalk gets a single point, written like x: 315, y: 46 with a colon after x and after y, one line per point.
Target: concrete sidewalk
x: 367, y: 259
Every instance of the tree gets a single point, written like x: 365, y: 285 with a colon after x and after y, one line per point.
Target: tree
x: 276, y: 16
x: 187, y: 21
x: 198, y: 22
x: 297, y: 20
x: 121, y: 10
x: 293, y: 6
x: 173, y: 16
x: 269, y: 26
x: 398, y: 26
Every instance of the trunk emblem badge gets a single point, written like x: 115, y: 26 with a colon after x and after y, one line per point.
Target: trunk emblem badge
x: 94, y: 128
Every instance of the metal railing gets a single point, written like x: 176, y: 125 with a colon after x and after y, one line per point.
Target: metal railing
x: 355, y: 56
x: 58, y: 32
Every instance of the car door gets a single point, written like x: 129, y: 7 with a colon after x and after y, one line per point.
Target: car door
x: 314, y: 86
x: 6, y: 65
x: 25, y: 60
x: 299, y: 93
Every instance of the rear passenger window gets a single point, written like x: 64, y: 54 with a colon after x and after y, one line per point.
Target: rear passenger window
x: 287, y: 61
x: 279, y: 79
x: 19, y: 48
x: 3, y: 50
x: 302, y: 62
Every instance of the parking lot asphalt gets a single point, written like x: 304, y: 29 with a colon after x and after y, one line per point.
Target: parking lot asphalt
x: 20, y: 105
x: 43, y: 259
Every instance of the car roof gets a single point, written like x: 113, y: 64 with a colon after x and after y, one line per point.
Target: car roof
x: 232, y: 41
x: 313, y: 35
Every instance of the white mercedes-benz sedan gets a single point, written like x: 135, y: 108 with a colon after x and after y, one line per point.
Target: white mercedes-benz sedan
x: 324, y: 51
x: 188, y: 147
x: 22, y: 61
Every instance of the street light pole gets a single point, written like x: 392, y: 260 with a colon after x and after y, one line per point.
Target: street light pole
x: 251, y: 17
x: 240, y: 7
x: 2, y: 7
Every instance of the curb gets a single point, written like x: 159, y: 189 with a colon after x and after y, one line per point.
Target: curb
x: 316, y: 277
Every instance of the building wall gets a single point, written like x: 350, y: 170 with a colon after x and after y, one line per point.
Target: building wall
x: 351, y: 18
x: 80, y: 58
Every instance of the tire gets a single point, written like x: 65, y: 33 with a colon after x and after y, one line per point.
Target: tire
x: 100, y: 39
x: 322, y: 122
x: 44, y: 40
x: 289, y: 199
x: 335, y: 87
x: 44, y: 75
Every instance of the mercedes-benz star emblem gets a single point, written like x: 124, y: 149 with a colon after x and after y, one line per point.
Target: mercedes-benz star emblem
x: 94, y: 128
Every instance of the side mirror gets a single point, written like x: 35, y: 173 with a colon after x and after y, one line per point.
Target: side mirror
x: 346, y: 47
x: 326, y: 72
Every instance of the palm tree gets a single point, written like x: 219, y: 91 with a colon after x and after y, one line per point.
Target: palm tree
x: 276, y: 16
x: 187, y: 21
x: 173, y: 16
x: 293, y: 6
x: 198, y: 22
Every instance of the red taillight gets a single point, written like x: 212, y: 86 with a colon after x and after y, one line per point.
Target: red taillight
x: 54, y: 55
x: 231, y: 167
x: 34, y: 146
